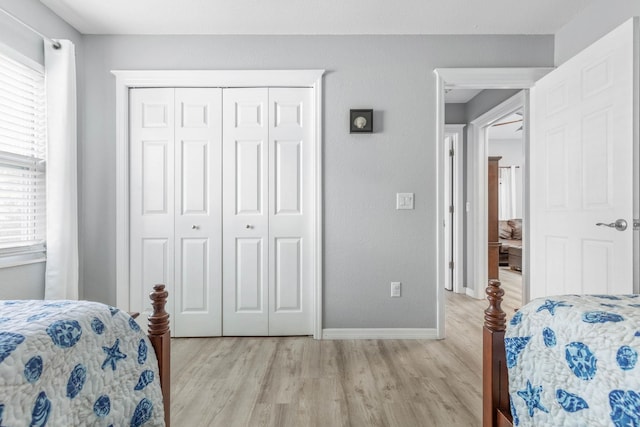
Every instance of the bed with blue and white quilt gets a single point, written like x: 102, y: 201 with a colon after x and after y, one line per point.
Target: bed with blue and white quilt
x: 573, y: 361
x: 75, y: 363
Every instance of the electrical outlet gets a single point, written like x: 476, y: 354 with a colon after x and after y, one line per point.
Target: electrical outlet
x: 396, y: 289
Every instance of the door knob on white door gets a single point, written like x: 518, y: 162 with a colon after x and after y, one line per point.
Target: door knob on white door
x: 619, y: 225
x: 195, y: 227
x: 249, y: 227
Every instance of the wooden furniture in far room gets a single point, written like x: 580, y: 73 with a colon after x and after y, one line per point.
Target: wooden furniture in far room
x: 515, y: 258
x: 493, y: 254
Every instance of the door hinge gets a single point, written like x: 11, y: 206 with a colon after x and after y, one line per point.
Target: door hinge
x: 451, y: 152
x: 451, y: 209
x: 636, y: 224
x: 451, y: 265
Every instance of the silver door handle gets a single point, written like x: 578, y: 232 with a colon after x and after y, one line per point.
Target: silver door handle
x: 619, y: 225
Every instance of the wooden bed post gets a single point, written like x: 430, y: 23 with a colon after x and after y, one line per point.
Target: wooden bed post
x: 160, y: 338
x: 495, y: 384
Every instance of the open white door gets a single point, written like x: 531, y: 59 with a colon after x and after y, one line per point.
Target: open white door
x: 581, y: 170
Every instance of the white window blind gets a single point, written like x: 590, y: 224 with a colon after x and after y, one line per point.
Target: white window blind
x: 22, y: 159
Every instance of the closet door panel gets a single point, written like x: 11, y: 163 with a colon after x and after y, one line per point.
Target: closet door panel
x: 198, y: 214
x: 245, y: 216
x: 249, y: 281
x: 288, y: 279
x: 249, y: 188
x: 290, y: 211
x: 151, y: 195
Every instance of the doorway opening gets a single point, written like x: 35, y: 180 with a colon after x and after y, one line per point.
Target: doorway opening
x: 475, y: 205
x: 505, y: 145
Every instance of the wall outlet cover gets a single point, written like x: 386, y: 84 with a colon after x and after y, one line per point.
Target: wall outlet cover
x: 404, y: 200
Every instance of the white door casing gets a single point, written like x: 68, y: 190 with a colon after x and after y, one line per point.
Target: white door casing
x: 267, y: 204
x: 152, y: 195
x: 198, y: 213
x: 582, y: 168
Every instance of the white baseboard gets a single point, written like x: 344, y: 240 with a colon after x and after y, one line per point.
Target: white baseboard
x: 379, y: 333
x: 472, y: 293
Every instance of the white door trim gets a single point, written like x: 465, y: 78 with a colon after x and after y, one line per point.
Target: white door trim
x: 470, y: 78
x: 126, y: 79
x: 457, y: 202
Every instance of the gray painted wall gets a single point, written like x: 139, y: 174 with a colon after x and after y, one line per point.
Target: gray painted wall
x: 28, y: 281
x: 596, y: 20
x: 485, y: 101
x: 367, y: 242
x: 455, y: 114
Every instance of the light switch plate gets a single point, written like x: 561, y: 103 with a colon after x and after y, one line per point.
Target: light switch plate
x: 404, y: 200
x: 396, y: 289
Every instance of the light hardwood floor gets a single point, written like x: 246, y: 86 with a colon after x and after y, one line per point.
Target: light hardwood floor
x: 301, y: 382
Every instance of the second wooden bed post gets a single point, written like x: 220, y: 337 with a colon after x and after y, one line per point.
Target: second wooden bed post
x: 160, y: 338
x: 495, y: 387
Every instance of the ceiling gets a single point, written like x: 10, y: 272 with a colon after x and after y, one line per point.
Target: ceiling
x: 460, y: 96
x: 509, y: 129
x: 317, y: 16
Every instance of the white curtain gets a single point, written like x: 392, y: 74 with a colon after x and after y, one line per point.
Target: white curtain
x: 507, y: 193
x: 61, y: 281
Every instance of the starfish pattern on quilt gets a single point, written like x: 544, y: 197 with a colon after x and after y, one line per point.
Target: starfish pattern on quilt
x: 551, y: 305
x: 531, y: 397
x: 113, y: 355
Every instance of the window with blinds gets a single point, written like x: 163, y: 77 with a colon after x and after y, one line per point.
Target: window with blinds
x: 22, y: 159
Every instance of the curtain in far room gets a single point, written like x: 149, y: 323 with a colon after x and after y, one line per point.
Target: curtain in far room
x: 61, y: 280
x: 507, y: 193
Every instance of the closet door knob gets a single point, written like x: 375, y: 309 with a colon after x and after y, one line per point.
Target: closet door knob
x: 195, y: 227
x: 249, y: 227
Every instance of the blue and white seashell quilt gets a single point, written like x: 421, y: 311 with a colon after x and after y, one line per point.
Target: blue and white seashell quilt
x: 75, y: 363
x: 573, y: 361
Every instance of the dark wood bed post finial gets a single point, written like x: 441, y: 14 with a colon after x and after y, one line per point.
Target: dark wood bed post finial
x: 495, y: 382
x: 160, y: 338
x: 494, y: 316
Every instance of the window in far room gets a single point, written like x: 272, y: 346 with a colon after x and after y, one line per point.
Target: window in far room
x: 22, y: 160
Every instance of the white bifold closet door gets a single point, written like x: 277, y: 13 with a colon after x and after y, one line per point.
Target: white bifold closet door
x: 267, y: 265
x: 175, y: 212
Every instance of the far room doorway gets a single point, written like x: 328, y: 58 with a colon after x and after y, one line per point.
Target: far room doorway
x: 493, y: 118
x: 505, y: 150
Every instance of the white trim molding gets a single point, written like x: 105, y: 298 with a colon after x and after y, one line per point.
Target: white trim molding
x: 466, y: 78
x: 379, y: 334
x: 127, y: 79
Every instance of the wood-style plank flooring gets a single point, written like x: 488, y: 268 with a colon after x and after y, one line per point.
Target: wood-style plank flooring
x: 301, y: 382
